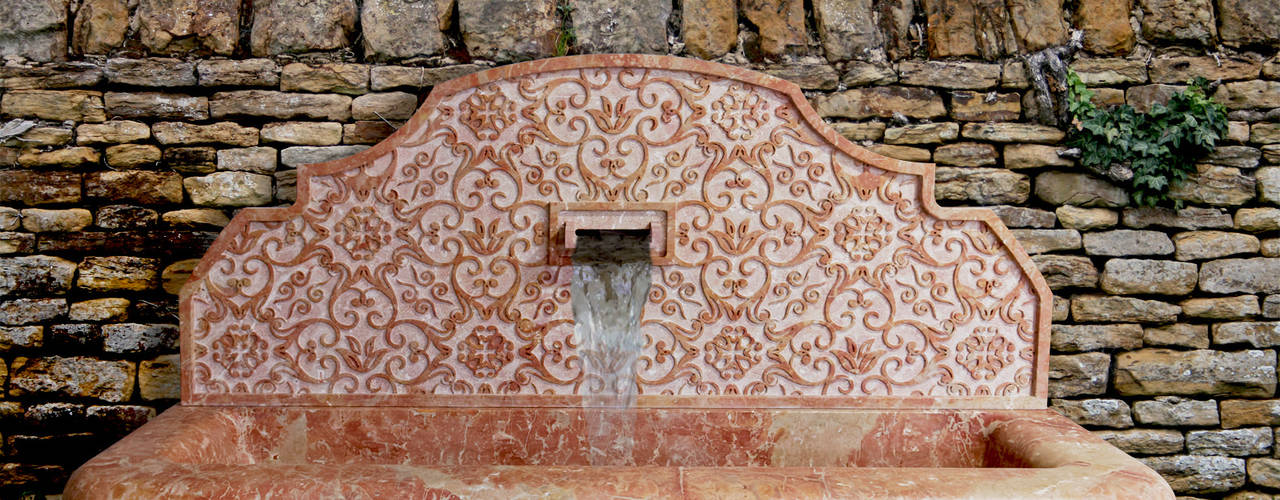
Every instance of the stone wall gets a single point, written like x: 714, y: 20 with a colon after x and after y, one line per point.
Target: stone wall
x: 142, y: 125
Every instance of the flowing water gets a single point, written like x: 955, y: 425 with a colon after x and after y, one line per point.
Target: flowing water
x: 610, y: 285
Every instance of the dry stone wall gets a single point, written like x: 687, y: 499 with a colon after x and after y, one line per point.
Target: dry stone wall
x: 132, y: 130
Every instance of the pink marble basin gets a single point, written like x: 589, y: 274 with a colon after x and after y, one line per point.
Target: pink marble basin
x: 348, y: 452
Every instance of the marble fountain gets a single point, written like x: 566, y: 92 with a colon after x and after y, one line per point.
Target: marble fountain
x: 786, y: 315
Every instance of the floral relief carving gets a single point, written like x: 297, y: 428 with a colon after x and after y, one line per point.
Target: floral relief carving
x: 795, y: 269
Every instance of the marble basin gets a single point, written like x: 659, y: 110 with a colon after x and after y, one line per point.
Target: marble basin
x: 347, y: 452
x: 815, y: 325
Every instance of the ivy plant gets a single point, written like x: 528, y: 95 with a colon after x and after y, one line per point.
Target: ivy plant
x: 1160, y: 147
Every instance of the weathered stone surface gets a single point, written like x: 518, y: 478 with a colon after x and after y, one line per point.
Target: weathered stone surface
x: 1233, y: 443
x: 1062, y: 188
x: 50, y: 76
x: 196, y: 218
x: 862, y: 73
x: 618, y: 26
x: 132, y: 155
x: 156, y: 105
x: 307, y: 133
x: 1011, y: 132
x: 13, y: 242
x: 807, y: 76
x: 384, y: 106
x: 238, y: 73
x: 366, y: 132
x: 1196, y: 245
x: 64, y: 158
x: 396, y: 77
x: 176, y: 275
x: 1178, y: 20
x: 108, y: 309
x: 1110, y: 71
x: 1271, y: 306
x: 1142, y: 97
x: 158, y: 378
x: 1176, y: 70
x: 884, y: 102
x: 1262, y: 472
x: 191, y: 160
x: 400, y: 29
x: 1024, y: 217
x: 1144, y: 441
x: 1033, y: 156
x: 509, y: 30
x: 965, y: 154
x: 301, y: 155
x: 280, y: 105
x: 1201, y: 372
x: 112, y: 132
x: 1187, y: 218
x: 1036, y: 241
x: 35, y: 29
x: 341, y: 78
x: 144, y: 187
x: 1271, y: 153
x: 983, y: 186
x: 229, y: 189
x: 780, y: 24
x: 949, y: 74
x: 122, y: 217
x: 260, y: 159
x: 31, y: 311
x: 1249, y: 94
x: 227, y: 133
x: 37, y: 274
x: 157, y: 72
x: 287, y: 185
x: 100, y: 26
x: 1245, y: 412
x: 1127, y: 242
x: 1061, y: 309
x: 1234, y: 156
x: 76, y: 376
x: 134, y: 338
x: 1237, y: 131
x: 39, y: 220
x: 1142, y: 276
x: 40, y: 137
x: 55, y: 105
x: 1112, y: 413
x: 1177, y: 335
x: 39, y: 188
x: 1199, y: 474
x: 1077, y: 338
x: 925, y: 133
x: 21, y: 337
x: 1256, y: 275
x: 119, y: 273
x: 1078, y: 374
x: 847, y: 29
x: 709, y: 27
x: 283, y: 27
x: 1085, y: 219
x: 1264, y: 133
x: 904, y: 153
x: 1098, y: 308
x: 1214, y: 185
x: 1066, y: 271
x: 180, y: 26
x: 1249, y: 22
x: 1268, y: 184
x: 1106, y: 26
x: 10, y: 218
x: 1237, y: 307
x: 968, y: 105
x: 1253, y: 333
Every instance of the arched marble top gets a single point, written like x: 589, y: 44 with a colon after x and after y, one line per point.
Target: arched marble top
x: 792, y: 267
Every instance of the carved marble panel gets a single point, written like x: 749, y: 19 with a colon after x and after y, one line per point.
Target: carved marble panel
x: 792, y: 267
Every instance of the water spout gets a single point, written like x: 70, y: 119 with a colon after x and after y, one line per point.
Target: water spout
x: 610, y: 286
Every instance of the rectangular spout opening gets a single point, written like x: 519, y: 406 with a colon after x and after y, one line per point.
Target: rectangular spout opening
x: 568, y: 221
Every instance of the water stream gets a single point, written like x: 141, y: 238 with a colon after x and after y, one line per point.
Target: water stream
x: 610, y: 285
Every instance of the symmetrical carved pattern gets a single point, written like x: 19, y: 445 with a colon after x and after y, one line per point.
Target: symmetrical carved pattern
x: 798, y: 270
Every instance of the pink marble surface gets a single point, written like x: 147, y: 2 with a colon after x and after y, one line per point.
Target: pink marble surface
x: 796, y: 269
x: 284, y: 452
